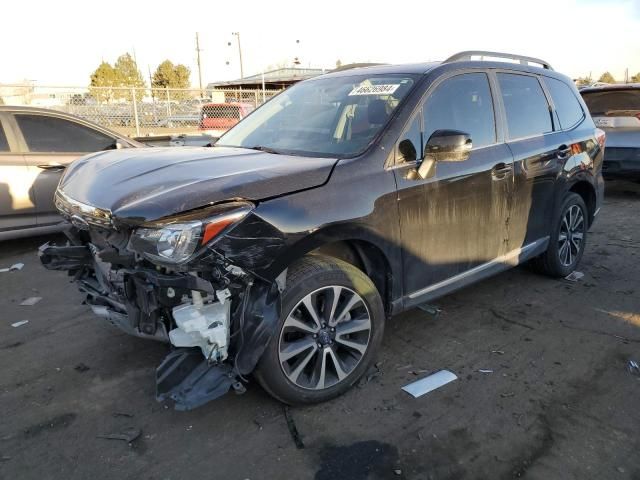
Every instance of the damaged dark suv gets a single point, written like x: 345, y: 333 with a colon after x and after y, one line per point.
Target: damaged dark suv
x: 346, y: 199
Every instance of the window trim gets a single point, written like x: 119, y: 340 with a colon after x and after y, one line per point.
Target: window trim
x: 5, y: 127
x: 22, y: 141
x: 555, y: 108
x: 550, y: 105
x: 498, y: 120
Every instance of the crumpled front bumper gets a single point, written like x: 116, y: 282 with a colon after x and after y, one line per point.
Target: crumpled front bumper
x: 142, y: 302
x: 185, y: 376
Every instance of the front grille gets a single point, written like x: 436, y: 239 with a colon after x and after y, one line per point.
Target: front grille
x: 80, y: 214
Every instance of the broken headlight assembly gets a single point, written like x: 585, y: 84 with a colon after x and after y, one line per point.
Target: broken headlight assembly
x: 176, y: 239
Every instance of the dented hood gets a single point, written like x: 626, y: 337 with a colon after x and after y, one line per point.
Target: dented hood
x: 146, y: 184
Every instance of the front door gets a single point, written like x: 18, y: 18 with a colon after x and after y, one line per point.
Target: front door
x: 17, y: 198
x: 456, y: 219
x: 51, y: 143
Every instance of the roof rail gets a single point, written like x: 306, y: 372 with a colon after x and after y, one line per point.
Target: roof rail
x: 467, y: 55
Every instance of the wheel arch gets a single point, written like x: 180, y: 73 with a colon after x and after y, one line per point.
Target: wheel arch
x: 361, y: 249
x: 588, y: 193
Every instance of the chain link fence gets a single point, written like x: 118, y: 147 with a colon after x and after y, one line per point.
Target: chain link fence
x: 144, y: 111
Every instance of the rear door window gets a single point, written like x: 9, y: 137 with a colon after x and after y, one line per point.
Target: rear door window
x: 462, y: 103
x: 4, y: 143
x: 525, y: 104
x: 49, y: 134
x: 567, y: 105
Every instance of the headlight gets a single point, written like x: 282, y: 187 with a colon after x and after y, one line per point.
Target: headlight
x: 176, y: 239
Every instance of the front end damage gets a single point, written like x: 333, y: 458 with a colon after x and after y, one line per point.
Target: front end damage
x: 217, y: 316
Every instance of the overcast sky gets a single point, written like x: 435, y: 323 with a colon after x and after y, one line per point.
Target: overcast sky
x: 61, y: 42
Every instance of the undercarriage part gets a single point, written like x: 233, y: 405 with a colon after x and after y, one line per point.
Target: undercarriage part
x: 70, y: 258
x: 257, y: 325
x: 188, y: 379
x: 123, y: 322
x: 203, y: 325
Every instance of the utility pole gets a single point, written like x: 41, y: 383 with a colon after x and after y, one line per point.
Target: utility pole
x: 198, y: 60
x: 153, y: 97
x: 237, y: 35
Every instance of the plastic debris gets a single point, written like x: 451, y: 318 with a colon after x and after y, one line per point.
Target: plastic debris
x: 430, y: 309
x: 12, y: 268
x: 482, y: 370
x: 128, y: 435
x: 20, y: 323
x: 30, y: 301
x: 633, y: 367
x: 574, y: 276
x: 430, y: 383
x: 293, y: 430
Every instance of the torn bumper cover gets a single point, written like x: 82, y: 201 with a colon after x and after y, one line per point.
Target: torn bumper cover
x: 219, y: 329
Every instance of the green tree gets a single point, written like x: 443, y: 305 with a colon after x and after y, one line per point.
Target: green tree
x: 606, y: 77
x: 128, y: 75
x: 636, y: 78
x: 168, y: 75
x: 584, y: 81
x: 104, y: 78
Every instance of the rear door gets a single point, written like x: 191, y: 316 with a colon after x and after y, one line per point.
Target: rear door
x: 17, y: 200
x: 51, y: 143
x: 538, y: 146
x: 456, y: 219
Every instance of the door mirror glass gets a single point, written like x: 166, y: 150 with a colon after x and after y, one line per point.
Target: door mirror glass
x: 448, y: 146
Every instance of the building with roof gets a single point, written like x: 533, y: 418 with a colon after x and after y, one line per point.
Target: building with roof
x: 273, y: 79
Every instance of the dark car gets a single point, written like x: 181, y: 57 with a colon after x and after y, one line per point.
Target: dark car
x: 36, y: 145
x: 616, y: 110
x: 341, y: 202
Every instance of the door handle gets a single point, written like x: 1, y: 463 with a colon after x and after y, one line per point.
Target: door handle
x: 54, y: 167
x: 563, y: 152
x: 501, y: 170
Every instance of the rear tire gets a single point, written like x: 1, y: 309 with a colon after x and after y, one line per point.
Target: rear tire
x: 313, y: 360
x: 568, y: 238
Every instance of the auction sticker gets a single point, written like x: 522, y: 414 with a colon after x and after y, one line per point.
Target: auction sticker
x: 374, y: 89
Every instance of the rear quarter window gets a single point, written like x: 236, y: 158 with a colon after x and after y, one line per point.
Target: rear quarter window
x: 567, y: 105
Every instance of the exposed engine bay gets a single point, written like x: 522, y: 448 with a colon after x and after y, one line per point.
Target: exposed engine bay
x: 217, y: 317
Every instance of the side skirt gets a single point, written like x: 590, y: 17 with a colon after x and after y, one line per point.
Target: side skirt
x: 497, y: 265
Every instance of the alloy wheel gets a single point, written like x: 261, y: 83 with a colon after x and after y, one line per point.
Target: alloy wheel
x: 571, y: 235
x: 324, y: 337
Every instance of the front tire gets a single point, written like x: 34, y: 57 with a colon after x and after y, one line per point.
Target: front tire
x: 329, y: 332
x: 568, y: 238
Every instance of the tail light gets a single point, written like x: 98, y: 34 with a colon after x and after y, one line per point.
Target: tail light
x: 601, y: 137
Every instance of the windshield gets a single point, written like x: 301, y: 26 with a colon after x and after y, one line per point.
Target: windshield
x: 332, y: 116
x: 613, y: 103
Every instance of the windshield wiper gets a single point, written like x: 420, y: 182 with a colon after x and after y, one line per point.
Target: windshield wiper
x: 262, y: 148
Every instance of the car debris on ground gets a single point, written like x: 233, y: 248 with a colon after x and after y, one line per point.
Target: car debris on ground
x: 430, y: 383
x: 13, y: 268
x: 574, y: 276
x: 28, y: 302
x: 129, y: 435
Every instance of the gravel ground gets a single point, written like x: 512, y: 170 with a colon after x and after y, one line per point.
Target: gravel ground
x: 560, y: 402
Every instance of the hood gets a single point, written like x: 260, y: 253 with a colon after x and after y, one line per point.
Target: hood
x: 146, y: 184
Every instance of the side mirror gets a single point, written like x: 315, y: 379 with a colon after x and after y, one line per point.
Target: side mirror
x: 119, y: 145
x: 448, y: 146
